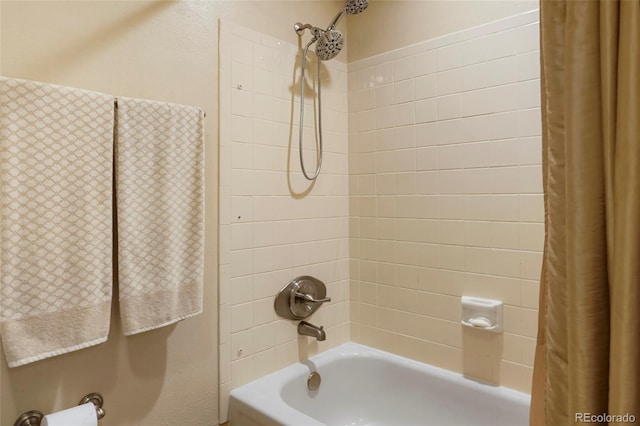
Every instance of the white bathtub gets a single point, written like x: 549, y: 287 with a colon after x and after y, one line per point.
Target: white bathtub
x: 364, y: 386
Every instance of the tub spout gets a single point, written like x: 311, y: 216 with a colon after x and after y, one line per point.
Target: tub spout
x: 307, y: 329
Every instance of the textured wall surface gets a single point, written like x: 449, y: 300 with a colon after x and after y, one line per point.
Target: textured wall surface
x: 445, y: 185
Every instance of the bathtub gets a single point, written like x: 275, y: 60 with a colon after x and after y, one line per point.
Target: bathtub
x: 365, y: 386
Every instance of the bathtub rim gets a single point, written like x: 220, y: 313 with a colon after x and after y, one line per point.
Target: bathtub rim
x: 265, y: 391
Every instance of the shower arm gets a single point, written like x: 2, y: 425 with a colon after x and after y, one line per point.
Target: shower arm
x: 336, y: 19
x: 315, y: 31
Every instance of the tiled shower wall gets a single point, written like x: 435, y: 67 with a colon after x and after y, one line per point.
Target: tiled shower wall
x: 445, y: 197
x: 274, y: 224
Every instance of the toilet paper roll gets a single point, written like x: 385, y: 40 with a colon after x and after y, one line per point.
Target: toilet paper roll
x: 82, y: 415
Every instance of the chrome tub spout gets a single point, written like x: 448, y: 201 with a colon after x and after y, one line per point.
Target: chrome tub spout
x: 307, y: 329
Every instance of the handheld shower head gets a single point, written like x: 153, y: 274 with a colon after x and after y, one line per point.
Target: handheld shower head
x: 329, y: 44
x: 354, y: 7
x: 351, y: 7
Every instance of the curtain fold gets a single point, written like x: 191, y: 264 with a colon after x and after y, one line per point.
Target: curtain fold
x: 588, y: 354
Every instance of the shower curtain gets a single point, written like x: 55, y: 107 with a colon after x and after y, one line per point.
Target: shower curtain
x: 587, y: 366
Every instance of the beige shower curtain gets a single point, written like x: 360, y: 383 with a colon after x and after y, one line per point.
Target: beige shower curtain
x: 588, y: 354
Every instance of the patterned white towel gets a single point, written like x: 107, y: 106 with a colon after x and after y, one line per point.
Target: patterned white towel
x: 160, y: 212
x: 56, y: 156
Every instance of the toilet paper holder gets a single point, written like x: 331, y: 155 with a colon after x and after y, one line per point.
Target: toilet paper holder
x: 34, y: 417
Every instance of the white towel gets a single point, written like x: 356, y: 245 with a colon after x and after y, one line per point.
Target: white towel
x: 56, y: 162
x: 160, y: 212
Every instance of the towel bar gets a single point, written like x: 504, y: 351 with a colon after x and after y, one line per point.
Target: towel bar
x: 34, y: 417
x: 115, y: 102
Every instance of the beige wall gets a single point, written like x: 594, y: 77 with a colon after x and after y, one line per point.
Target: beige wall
x: 446, y: 198
x: 164, y: 50
x: 392, y: 24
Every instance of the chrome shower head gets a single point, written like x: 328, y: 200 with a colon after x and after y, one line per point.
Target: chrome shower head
x: 354, y: 7
x: 351, y: 7
x: 330, y: 41
x: 329, y: 44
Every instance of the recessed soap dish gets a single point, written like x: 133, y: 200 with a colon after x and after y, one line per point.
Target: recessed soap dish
x: 482, y: 314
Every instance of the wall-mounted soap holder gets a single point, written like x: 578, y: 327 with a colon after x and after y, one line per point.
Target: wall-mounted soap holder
x: 482, y: 314
x: 300, y: 298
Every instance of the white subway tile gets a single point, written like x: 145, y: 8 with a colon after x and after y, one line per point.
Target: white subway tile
x: 499, y: 45
x: 405, y: 160
x: 453, y: 207
x: 241, y: 289
x: 528, y: 94
x: 241, y: 50
x: 241, y: 76
x: 449, y: 82
x: 263, y: 234
x: 473, y: 51
x: 263, y: 57
x: 425, y: 63
x: 453, y: 182
x: 531, y: 208
x: 531, y: 236
x: 527, y: 38
x: 386, y: 184
x: 385, y: 161
x: 263, y: 82
x: 426, y: 110
x: 403, y: 68
x: 404, y: 114
x: 425, y: 87
x: 528, y: 65
x: 241, y: 236
x: 448, y: 131
x: 448, y: 57
x: 405, y: 183
x: 530, y: 150
x: 448, y: 107
x: 426, y: 134
x: 265, y: 107
x: 426, y: 158
x: 403, y: 91
x: 404, y: 137
x: 383, y: 74
x: 384, y: 117
x: 241, y: 129
x: 492, y: 207
x: 242, y: 156
x: 384, y: 96
x: 503, y: 125
x: 426, y: 183
x: 365, y: 99
x: 241, y: 317
x: 241, y: 103
x: 529, y: 122
x: 530, y: 179
x: 473, y: 77
x: 502, y: 71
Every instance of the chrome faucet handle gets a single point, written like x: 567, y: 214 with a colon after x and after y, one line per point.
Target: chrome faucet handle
x: 309, y: 298
x: 300, y: 298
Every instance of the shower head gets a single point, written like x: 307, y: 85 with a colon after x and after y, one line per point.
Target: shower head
x: 329, y: 44
x: 351, y: 7
x: 330, y: 41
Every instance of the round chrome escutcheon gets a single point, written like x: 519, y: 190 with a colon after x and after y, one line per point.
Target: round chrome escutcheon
x: 313, y: 381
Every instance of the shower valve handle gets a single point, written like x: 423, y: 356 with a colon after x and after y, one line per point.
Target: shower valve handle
x: 309, y: 298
